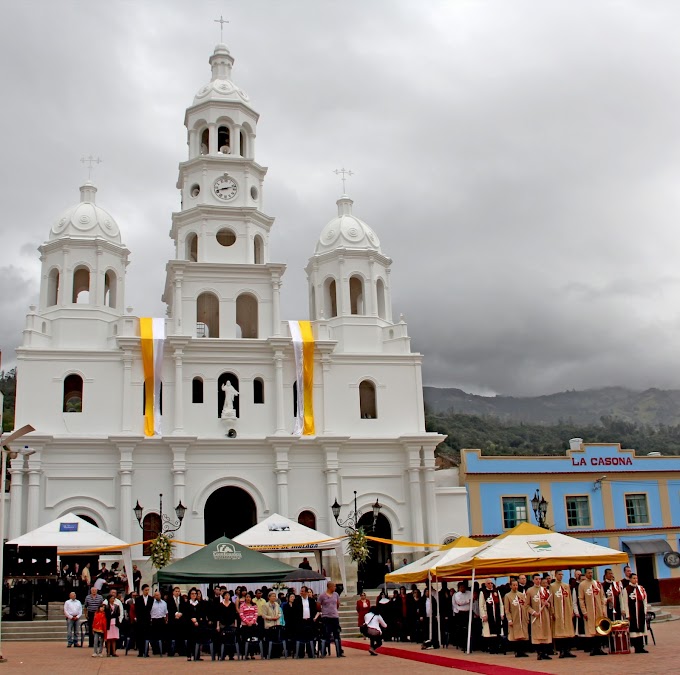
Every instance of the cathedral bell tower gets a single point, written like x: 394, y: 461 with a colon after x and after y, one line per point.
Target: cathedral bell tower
x: 221, y: 283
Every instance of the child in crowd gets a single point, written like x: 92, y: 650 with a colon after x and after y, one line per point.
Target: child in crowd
x: 99, y: 630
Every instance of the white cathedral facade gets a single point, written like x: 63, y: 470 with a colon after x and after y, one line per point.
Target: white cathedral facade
x: 81, y: 381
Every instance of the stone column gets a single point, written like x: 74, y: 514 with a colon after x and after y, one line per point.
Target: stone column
x: 280, y: 417
x: 177, y: 305
x: 325, y: 399
x: 235, y: 141
x: 192, y: 143
x: 250, y: 245
x: 33, y: 505
x: 212, y: 141
x: 178, y: 485
x: 126, y: 501
x: 97, y: 288
x: 179, y: 399
x: 281, y: 471
x: 371, y: 293
x: 65, y: 292
x: 276, y: 305
x: 430, y: 514
x: 16, y: 497
x: 342, y: 300
x: 332, y: 468
x: 127, y: 390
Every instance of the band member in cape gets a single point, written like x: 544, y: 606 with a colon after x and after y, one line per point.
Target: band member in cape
x: 593, y: 608
x: 626, y: 576
x: 562, y: 615
x: 579, y: 623
x: 634, y: 608
x: 515, y: 606
x: 539, y: 611
x: 491, y: 613
x: 612, y: 593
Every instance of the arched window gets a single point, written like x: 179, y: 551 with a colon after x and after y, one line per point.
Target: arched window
x: 44, y: 327
x: 81, y: 285
x: 152, y: 527
x: 205, y: 142
x: 221, y: 393
x: 308, y: 519
x: 367, y: 403
x: 258, y: 390
x: 380, y: 291
x: 246, y: 315
x: 258, y: 250
x: 53, y: 287
x: 73, y: 394
x: 191, y: 248
x: 331, y: 303
x: 207, y: 315
x: 110, y: 288
x: 88, y: 519
x: 223, y: 138
x: 197, y: 390
x: 356, y: 295
x: 243, y: 144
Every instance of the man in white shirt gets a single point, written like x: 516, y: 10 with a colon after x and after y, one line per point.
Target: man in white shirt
x: 73, y: 610
x: 461, y: 610
x: 159, y: 618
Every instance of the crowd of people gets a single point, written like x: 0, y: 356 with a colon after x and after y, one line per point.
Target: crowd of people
x: 540, y: 613
x: 228, y: 623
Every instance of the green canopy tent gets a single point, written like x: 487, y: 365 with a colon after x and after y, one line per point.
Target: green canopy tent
x: 223, y: 560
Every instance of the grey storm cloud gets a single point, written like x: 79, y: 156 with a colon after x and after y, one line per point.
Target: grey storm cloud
x: 520, y: 161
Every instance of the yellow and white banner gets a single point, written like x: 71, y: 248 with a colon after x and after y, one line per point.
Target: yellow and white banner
x: 152, y: 332
x: 303, y: 347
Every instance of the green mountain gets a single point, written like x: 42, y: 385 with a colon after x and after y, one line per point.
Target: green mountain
x: 653, y: 407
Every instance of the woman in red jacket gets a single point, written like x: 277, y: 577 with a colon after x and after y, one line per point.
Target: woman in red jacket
x: 363, y: 605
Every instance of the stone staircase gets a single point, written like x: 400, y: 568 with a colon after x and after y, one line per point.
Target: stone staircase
x: 50, y: 628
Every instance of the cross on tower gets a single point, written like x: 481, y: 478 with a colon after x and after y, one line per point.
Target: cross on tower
x: 344, y: 173
x: 221, y: 21
x: 90, y: 161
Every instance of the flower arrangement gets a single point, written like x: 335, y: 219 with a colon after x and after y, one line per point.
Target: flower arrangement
x: 357, y: 546
x: 161, y: 551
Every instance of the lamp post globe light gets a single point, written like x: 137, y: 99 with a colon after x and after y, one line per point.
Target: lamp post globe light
x: 351, y: 523
x: 539, y: 505
x: 167, y: 525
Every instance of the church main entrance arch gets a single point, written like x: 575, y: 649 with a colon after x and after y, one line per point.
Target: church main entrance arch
x: 372, y: 572
x: 228, y: 511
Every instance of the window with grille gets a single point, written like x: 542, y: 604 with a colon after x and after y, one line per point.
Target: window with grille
x: 514, y: 511
x: 578, y: 512
x: 637, y: 512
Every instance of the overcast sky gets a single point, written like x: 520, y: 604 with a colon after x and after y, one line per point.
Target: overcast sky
x: 519, y: 160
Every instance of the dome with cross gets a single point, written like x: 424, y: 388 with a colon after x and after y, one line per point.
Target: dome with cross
x: 347, y: 231
x: 86, y: 219
x: 220, y: 87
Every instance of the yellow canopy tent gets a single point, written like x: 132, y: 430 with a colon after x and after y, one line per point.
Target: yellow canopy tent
x: 420, y: 570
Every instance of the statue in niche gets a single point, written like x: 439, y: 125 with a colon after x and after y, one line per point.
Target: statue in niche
x: 230, y: 392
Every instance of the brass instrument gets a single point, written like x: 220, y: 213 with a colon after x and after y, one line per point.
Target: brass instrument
x: 605, y: 625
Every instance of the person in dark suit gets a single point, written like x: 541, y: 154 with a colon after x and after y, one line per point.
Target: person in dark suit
x: 177, y: 625
x: 143, y: 621
x: 306, y: 615
x: 197, y: 624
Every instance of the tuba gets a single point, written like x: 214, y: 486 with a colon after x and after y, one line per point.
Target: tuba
x: 604, y: 626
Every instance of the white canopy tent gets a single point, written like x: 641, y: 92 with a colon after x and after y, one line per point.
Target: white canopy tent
x: 71, y: 534
x: 278, y: 533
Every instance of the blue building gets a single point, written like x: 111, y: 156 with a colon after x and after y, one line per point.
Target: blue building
x: 598, y: 492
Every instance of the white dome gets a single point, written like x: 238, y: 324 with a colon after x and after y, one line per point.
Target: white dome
x: 86, y: 219
x: 347, y: 231
x: 220, y: 87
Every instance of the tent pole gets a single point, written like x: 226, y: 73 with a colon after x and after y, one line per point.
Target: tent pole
x: 439, y: 614
x: 429, y: 585
x: 472, y: 596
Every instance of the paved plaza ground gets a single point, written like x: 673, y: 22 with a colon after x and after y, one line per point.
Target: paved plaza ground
x: 54, y: 658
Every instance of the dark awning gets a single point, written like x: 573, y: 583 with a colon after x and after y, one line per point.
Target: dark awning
x: 641, y: 546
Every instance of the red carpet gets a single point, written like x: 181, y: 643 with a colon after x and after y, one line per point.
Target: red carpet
x: 434, y: 659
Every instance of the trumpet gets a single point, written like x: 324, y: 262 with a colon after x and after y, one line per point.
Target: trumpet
x: 605, y: 625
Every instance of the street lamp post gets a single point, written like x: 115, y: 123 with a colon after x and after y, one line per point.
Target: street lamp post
x: 351, y: 523
x: 5, y: 451
x: 540, y: 508
x: 168, y: 526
